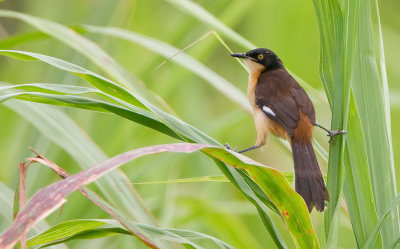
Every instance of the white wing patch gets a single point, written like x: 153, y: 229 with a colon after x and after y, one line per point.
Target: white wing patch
x: 268, y: 110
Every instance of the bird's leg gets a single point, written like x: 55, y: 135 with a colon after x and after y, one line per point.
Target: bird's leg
x: 251, y: 148
x: 331, y: 134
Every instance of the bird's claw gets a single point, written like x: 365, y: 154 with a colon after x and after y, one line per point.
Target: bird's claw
x: 334, y: 133
x: 230, y: 148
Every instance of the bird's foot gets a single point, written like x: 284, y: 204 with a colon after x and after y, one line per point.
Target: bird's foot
x: 230, y: 148
x: 334, y: 133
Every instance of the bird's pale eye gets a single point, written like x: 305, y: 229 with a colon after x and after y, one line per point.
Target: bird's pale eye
x: 260, y: 56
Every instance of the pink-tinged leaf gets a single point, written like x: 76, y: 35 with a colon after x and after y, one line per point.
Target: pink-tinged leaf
x: 271, y: 181
x: 48, y: 199
x: 20, y: 196
x: 96, y: 199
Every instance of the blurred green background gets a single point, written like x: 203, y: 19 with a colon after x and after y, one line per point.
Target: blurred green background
x: 288, y: 27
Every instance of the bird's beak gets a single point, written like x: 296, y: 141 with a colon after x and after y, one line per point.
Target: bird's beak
x: 242, y: 55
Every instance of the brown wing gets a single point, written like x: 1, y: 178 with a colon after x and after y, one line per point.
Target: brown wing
x: 281, y: 97
x: 304, y: 102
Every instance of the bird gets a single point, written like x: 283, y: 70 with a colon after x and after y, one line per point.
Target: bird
x: 281, y: 107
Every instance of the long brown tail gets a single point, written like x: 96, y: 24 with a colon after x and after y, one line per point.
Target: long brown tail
x: 309, y: 182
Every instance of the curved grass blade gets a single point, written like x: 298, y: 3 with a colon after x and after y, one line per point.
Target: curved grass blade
x: 74, y: 40
x: 288, y: 201
x: 288, y: 175
x: 203, y: 15
x: 337, y: 89
x: 375, y: 233
x: 96, y: 80
x: 90, y: 234
x: 14, y: 40
x: 187, y: 180
x: 137, y: 115
x: 63, y: 89
x: 64, y: 230
x: 90, y: 229
x: 357, y: 186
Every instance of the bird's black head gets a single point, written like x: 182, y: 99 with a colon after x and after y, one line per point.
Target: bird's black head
x: 261, y: 56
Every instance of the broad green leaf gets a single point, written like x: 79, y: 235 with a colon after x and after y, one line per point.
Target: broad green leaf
x: 275, y: 185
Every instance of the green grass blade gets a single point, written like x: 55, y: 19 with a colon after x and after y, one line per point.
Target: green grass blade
x: 387, y: 103
x: 12, y: 41
x: 357, y: 188
x: 90, y: 229
x: 98, y: 81
x: 187, y: 180
x: 288, y: 175
x: 370, y: 98
x: 64, y: 230
x: 61, y: 98
x: 330, y: 22
x: 375, y: 233
x: 90, y: 234
x: 75, y: 41
x: 198, y: 12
